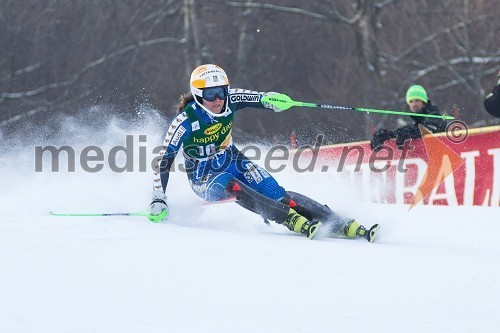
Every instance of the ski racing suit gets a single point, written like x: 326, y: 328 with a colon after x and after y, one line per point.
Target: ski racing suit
x: 217, y: 170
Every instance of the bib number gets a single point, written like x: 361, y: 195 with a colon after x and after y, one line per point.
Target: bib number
x: 207, y: 150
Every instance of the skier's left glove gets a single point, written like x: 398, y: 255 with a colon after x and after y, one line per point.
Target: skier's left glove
x: 269, y: 105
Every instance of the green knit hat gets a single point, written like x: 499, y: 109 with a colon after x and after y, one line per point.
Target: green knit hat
x: 416, y: 92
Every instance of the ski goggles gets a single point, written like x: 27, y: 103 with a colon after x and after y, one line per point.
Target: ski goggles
x: 210, y: 94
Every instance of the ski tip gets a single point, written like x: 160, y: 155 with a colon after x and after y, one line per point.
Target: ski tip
x: 372, y: 233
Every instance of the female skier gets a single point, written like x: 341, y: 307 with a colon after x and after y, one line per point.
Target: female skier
x: 217, y: 170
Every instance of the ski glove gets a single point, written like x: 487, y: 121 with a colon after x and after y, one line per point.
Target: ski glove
x: 269, y: 105
x: 158, y: 208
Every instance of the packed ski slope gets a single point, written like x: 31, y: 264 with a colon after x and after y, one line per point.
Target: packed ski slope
x: 218, y: 268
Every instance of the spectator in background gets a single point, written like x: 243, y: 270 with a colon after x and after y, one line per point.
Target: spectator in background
x: 492, y: 100
x: 418, y: 102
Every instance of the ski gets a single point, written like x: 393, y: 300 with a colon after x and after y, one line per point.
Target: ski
x: 153, y: 218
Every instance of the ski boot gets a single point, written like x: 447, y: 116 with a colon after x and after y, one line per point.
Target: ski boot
x: 300, y: 224
x: 353, y: 229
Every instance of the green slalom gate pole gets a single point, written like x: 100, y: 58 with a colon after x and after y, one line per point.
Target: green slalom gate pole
x: 154, y: 218
x: 284, y: 102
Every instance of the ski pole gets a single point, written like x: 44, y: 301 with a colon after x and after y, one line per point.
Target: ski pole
x: 284, y: 102
x: 153, y: 218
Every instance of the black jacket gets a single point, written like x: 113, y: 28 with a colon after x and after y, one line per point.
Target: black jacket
x: 433, y: 125
x: 492, y: 102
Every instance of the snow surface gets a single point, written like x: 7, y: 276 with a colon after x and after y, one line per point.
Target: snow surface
x: 218, y: 268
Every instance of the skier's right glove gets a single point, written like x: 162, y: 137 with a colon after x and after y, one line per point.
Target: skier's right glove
x: 158, y: 209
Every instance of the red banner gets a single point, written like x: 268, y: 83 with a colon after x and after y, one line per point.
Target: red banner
x: 393, y: 175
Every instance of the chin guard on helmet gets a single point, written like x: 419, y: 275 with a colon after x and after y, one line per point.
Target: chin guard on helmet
x: 208, y: 76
